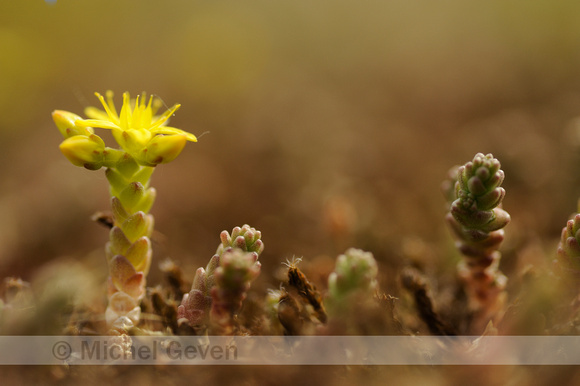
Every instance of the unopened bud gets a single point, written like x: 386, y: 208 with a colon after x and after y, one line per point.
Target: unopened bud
x: 86, y: 151
x: 163, y: 149
x: 66, y: 123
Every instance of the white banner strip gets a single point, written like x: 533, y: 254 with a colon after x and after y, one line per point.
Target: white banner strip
x: 295, y: 350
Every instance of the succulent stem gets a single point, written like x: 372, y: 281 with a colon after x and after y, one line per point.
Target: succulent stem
x: 218, y: 291
x: 476, y: 219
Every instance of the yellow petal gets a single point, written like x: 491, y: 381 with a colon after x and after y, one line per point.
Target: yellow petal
x: 147, y: 113
x: 109, y: 94
x: 136, y: 117
x: 109, y: 107
x: 164, y: 117
x: 97, y: 123
x: 126, y: 113
x: 174, y: 131
x: 95, y: 113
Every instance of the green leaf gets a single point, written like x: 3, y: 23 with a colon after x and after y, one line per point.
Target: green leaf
x: 131, y: 195
x: 139, y: 254
x: 116, y: 181
x: 135, y: 226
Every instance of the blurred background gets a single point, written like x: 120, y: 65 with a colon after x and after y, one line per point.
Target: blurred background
x: 330, y: 124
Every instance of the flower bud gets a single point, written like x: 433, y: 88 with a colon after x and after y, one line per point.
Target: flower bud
x: 163, y: 149
x: 86, y: 151
x: 66, y: 123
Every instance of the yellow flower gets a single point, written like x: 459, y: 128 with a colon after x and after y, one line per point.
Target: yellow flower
x: 138, y: 130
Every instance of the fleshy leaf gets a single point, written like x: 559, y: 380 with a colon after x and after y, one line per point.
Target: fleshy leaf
x: 132, y: 195
x: 139, y: 254
x: 135, y: 226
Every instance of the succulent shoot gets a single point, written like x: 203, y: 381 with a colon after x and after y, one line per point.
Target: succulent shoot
x: 477, y: 219
x: 218, y: 290
x: 145, y: 141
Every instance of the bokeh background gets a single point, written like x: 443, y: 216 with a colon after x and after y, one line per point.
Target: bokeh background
x: 329, y: 123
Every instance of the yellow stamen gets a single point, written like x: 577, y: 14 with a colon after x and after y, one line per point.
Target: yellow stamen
x: 112, y: 117
x: 164, y: 117
x: 109, y: 94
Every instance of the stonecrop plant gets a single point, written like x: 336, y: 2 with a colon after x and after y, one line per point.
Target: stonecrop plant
x: 218, y: 290
x: 355, y: 274
x: 144, y: 141
x: 476, y: 219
